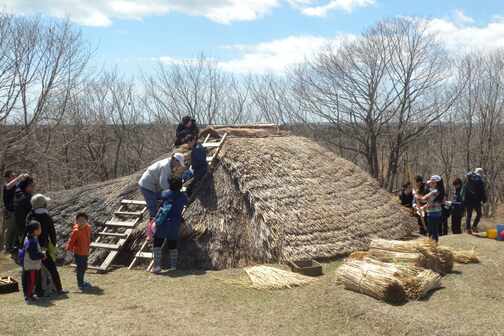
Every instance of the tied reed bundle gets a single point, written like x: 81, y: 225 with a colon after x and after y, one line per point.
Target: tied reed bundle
x: 269, y: 278
x: 466, y: 257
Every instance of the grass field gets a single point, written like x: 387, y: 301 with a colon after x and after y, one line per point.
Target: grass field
x: 124, y: 302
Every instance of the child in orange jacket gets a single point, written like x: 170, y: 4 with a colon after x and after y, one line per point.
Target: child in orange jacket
x: 78, y: 247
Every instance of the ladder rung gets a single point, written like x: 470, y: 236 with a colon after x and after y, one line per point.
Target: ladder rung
x: 121, y: 224
x: 128, y: 213
x: 114, y: 247
x: 209, y: 158
x: 145, y: 255
x: 211, y: 144
x: 133, y: 202
x: 113, y: 234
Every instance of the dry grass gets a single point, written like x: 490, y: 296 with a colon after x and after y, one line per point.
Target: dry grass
x: 192, y: 303
x: 270, y: 278
x: 466, y: 257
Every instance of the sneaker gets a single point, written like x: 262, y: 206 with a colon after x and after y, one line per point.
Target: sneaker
x: 474, y: 229
x: 469, y: 231
x: 30, y: 300
x: 155, y: 270
x: 62, y: 292
x: 85, y: 285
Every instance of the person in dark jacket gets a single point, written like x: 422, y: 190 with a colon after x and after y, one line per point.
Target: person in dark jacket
x: 457, y: 207
x: 47, y: 236
x: 473, y: 194
x: 199, y: 164
x: 406, y: 195
x: 187, y: 127
x: 22, y: 204
x: 169, y: 230
x: 8, y: 194
x: 421, y: 189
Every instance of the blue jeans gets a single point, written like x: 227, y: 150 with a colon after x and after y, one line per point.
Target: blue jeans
x: 81, y: 262
x: 151, y: 198
x: 432, y: 227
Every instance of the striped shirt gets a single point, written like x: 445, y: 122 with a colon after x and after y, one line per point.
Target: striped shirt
x: 433, y: 205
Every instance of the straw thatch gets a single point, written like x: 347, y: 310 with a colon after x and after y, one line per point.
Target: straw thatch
x: 466, y: 257
x: 390, y: 282
x: 437, y: 258
x: 268, y: 200
x: 269, y: 278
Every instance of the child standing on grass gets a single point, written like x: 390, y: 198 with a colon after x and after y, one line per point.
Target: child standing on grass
x: 433, y: 206
x: 30, y: 258
x: 78, y: 247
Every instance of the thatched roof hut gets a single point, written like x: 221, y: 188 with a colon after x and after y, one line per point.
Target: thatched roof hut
x: 268, y: 200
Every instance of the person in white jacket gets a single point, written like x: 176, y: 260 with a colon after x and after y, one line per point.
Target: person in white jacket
x: 155, y: 179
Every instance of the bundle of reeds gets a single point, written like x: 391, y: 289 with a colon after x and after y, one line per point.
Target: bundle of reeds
x: 269, y: 278
x: 438, y: 259
x: 372, y: 279
x: 358, y: 255
x: 411, y: 258
x: 418, y: 284
x: 466, y: 257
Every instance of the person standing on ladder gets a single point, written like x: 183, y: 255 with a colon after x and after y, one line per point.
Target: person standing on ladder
x: 174, y: 201
x: 155, y: 179
x: 198, y: 162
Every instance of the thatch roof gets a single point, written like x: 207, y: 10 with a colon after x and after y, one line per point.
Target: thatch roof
x: 268, y: 200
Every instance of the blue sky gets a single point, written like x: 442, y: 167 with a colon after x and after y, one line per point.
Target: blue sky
x: 253, y: 35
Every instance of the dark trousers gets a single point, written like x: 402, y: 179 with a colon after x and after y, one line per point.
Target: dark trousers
x: 81, y: 262
x: 456, y: 226
x: 443, y: 226
x: 469, y: 210
x: 158, y: 242
x: 432, y: 227
x: 51, y: 267
x: 32, y: 283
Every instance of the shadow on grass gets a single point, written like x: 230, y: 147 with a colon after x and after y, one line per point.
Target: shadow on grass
x: 428, y: 296
x: 182, y: 273
x: 92, y: 291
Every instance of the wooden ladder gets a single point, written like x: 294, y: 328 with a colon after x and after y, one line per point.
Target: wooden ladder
x: 213, y: 150
x: 118, y: 230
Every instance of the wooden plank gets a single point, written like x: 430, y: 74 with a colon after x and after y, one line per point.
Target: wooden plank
x: 122, y: 224
x: 112, y: 255
x: 211, y: 144
x: 114, y: 247
x: 128, y: 213
x: 112, y: 234
x: 133, y: 202
x: 252, y: 125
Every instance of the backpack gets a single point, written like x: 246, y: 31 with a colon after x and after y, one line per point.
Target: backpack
x: 475, y: 188
x: 162, y: 215
x: 22, y: 252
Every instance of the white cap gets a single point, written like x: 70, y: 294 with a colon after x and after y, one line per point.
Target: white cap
x: 434, y: 178
x: 180, y: 158
x: 39, y: 201
x: 480, y: 172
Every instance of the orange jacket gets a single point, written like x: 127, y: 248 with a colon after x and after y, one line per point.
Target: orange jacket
x: 80, y: 239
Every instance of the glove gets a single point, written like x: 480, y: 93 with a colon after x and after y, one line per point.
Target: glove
x: 69, y: 256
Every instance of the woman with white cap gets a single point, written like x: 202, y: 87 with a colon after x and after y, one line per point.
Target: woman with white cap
x: 155, y: 179
x: 433, y: 205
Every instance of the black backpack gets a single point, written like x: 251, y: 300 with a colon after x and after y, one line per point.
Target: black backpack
x: 475, y: 188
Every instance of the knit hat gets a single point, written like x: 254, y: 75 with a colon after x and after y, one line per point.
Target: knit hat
x: 180, y: 158
x: 480, y: 172
x: 39, y: 201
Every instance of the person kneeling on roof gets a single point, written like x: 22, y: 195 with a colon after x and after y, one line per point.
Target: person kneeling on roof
x: 155, y: 179
x: 167, y: 228
x: 187, y: 127
x: 198, y: 162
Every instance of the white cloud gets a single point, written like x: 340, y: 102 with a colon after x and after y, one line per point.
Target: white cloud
x: 458, y: 37
x: 101, y: 13
x: 461, y: 18
x: 276, y: 56
x: 347, y: 6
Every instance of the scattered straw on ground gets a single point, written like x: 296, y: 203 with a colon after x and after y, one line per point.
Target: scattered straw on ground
x: 269, y: 278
